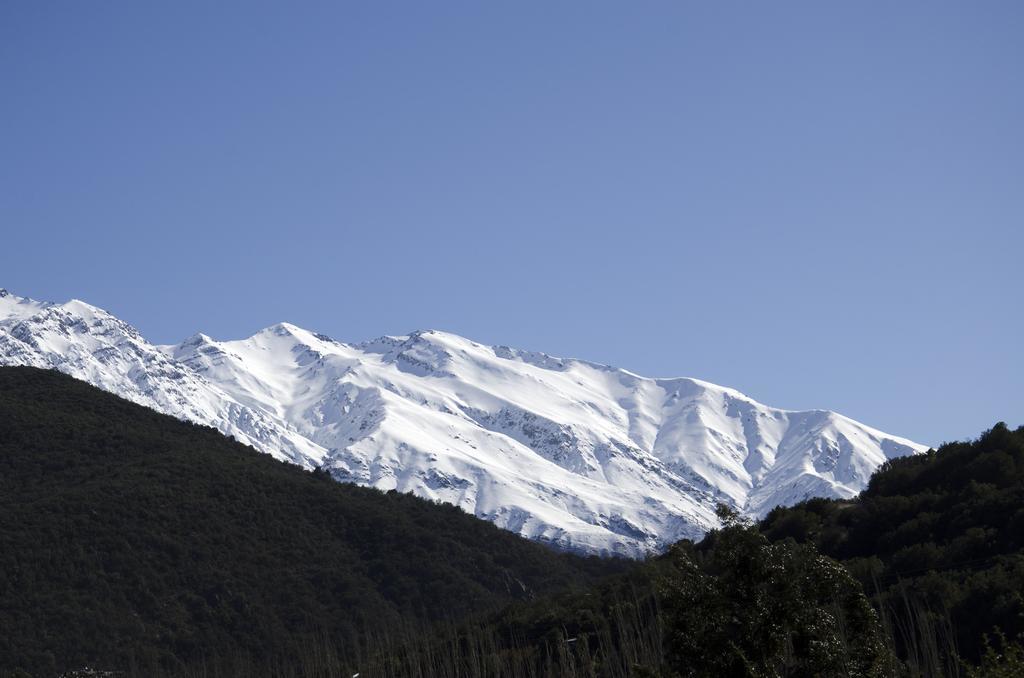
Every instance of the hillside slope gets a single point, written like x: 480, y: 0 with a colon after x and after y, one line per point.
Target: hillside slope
x: 936, y: 543
x: 937, y: 539
x: 128, y: 537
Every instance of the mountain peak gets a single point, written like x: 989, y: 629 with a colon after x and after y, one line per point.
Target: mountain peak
x: 576, y: 454
x: 285, y: 329
x: 15, y: 308
x: 83, y: 308
x: 198, y: 339
x: 11, y: 297
x: 390, y: 342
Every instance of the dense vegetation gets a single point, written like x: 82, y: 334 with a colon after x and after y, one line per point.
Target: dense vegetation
x: 934, y: 543
x: 129, y: 538
x: 936, y: 540
x: 733, y: 605
x: 135, y: 542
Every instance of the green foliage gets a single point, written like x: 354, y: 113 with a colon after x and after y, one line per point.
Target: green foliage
x: 135, y: 542
x: 936, y: 539
x: 733, y: 605
x: 728, y: 515
x: 737, y: 605
x: 1006, y: 661
x: 129, y: 539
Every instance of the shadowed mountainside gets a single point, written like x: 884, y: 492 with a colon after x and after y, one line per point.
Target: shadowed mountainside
x: 128, y: 537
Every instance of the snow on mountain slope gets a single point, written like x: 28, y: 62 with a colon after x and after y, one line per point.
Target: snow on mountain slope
x: 94, y: 346
x: 579, y: 455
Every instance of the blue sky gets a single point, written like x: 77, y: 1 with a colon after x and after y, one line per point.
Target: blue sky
x: 820, y: 204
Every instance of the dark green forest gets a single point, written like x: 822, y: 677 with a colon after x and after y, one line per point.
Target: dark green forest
x: 129, y: 538
x: 922, y: 575
x: 137, y: 544
x: 936, y: 541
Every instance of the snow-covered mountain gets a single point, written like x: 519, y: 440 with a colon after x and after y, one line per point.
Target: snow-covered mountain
x: 583, y: 456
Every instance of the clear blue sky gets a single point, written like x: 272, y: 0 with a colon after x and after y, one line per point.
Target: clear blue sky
x: 818, y: 203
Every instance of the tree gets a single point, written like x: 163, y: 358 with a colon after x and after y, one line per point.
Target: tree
x: 746, y: 607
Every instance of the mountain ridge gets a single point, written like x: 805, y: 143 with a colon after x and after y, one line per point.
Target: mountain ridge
x: 573, y: 453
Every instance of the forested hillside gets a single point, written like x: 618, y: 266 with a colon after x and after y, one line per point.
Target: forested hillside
x: 936, y: 540
x: 139, y: 544
x: 129, y: 538
x: 929, y: 582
